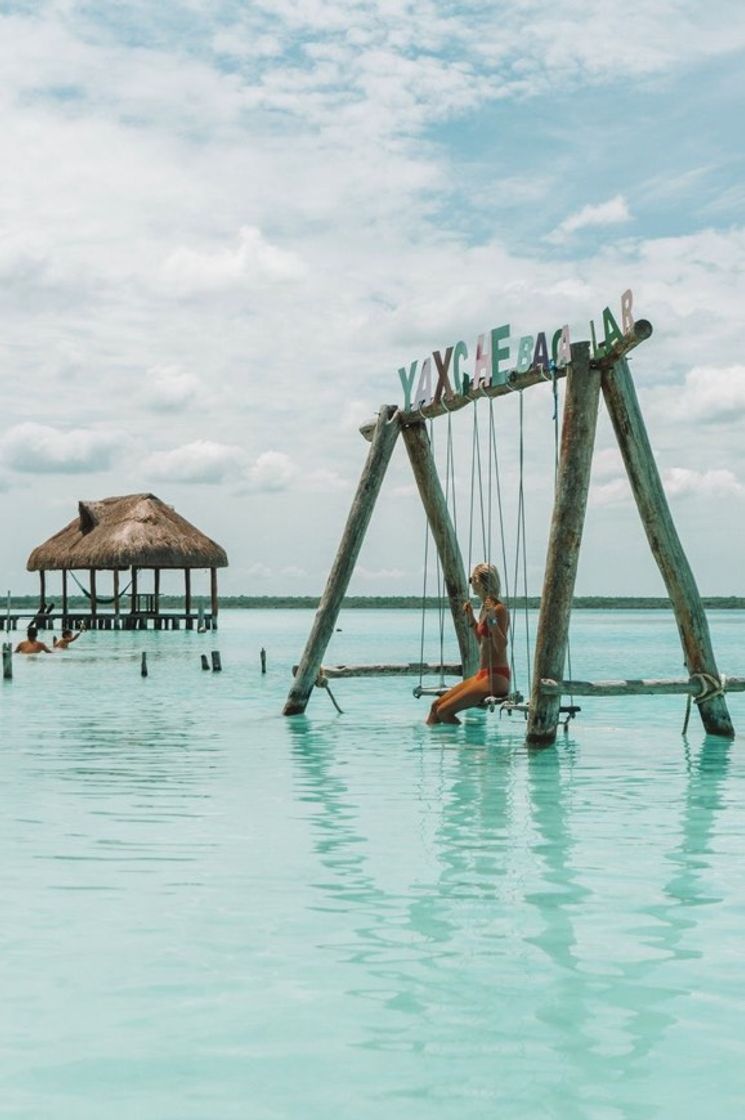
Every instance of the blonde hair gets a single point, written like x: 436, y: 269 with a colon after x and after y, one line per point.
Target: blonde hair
x: 488, y: 577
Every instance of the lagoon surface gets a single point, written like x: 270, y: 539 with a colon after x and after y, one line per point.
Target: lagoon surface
x: 211, y: 911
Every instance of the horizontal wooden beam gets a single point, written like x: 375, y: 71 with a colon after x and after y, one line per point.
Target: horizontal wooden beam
x: 515, y: 382
x: 693, y: 686
x: 410, y: 669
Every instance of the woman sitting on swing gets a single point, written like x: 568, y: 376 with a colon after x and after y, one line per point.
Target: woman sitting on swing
x: 493, y: 677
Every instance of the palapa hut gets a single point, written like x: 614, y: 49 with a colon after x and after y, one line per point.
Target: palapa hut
x: 131, y: 533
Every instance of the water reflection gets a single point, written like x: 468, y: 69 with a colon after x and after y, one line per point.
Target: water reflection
x: 514, y: 920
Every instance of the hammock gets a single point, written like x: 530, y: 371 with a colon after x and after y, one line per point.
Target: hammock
x: 99, y: 598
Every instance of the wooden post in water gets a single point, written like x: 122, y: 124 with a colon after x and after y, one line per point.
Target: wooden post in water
x: 7, y: 661
x: 133, y: 591
x: 156, y: 589
x: 381, y: 449
x: 262, y: 657
x: 213, y: 596
x: 443, y: 532
x: 143, y: 665
x: 633, y: 441
x: 116, y: 592
x: 205, y: 662
x: 570, y: 502
x: 187, y: 591
x: 216, y: 661
x: 64, y: 596
x: 94, y: 604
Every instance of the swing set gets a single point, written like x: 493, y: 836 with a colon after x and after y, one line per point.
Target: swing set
x: 587, y: 375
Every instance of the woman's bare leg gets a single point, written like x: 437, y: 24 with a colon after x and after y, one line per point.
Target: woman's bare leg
x: 470, y: 694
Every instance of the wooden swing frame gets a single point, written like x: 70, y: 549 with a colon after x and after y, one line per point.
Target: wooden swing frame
x: 587, y: 377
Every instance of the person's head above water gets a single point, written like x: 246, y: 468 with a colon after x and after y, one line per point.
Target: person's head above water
x: 67, y: 633
x: 485, y: 580
x: 32, y: 633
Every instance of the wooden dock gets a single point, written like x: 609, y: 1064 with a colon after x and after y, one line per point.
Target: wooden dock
x: 141, y: 620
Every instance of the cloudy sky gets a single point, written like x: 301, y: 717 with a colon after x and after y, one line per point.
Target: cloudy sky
x: 225, y: 225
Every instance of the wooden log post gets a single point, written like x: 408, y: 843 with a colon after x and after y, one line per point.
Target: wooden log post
x: 156, y: 590
x: 187, y: 591
x: 570, y: 502
x: 64, y: 597
x: 7, y: 661
x: 42, y: 591
x: 94, y: 604
x: 693, y: 627
x: 116, y: 592
x: 213, y: 596
x: 368, y: 488
x: 425, y: 472
x: 133, y: 592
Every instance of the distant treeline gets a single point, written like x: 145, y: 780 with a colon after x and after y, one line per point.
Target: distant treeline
x: 388, y: 602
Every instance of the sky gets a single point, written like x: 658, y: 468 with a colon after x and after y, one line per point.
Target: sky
x: 224, y: 227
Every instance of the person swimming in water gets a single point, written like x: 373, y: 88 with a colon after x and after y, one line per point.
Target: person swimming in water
x: 65, y: 638
x: 491, y: 628
x: 31, y: 644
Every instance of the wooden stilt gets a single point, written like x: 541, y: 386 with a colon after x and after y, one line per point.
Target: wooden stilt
x: 381, y: 448
x: 693, y: 627
x: 116, y: 592
x: 187, y: 591
x: 213, y: 592
x: 94, y: 605
x: 7, y: 661
x: 42, y: 591
x: 433, y: 499
x: 64, y: 596
x: 156, y: 590
x: 133, y: 592
x: 575, y: 462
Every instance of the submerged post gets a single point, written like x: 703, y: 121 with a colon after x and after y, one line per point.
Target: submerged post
x: 381, y: 449
x: 443, y: 532
x: 633, y: 441
x: 570, y: 502
x: 7, y: 661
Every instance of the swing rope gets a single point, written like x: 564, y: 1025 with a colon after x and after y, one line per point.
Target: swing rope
x: 520, y: 543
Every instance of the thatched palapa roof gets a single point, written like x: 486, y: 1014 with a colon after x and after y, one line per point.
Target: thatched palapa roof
x: 137, y: 529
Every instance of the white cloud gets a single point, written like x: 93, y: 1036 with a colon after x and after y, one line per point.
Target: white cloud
x: 272, y: 470
x: 608, y: 213
x: 324, y: 481
x: 200, y: 461
x: 374, y: 574
x: 610, y: 493
x: 40, y: 449
x: 709, y: 394
x: 682, y: 482
x: 607, y: 461
x: 188, y: 271
x: 169, y: 389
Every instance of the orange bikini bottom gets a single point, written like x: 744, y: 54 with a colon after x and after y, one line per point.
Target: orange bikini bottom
x: 497, y: 671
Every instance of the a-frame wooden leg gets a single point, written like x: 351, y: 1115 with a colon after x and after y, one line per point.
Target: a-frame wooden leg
x: 570, y: 502
x: 381, y: 449
x: 623, y: 406
x: 425, y: 472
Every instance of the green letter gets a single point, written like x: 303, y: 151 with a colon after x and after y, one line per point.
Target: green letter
x: 407, y: 380
x: 461, y: 351
x: 498, y: 354
x: 610, y: 329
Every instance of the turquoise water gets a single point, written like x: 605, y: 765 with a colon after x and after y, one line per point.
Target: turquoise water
x: 210, y: 911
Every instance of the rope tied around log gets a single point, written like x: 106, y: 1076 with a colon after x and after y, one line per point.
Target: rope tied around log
x: 711, y: 686
x: 322, y: 682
